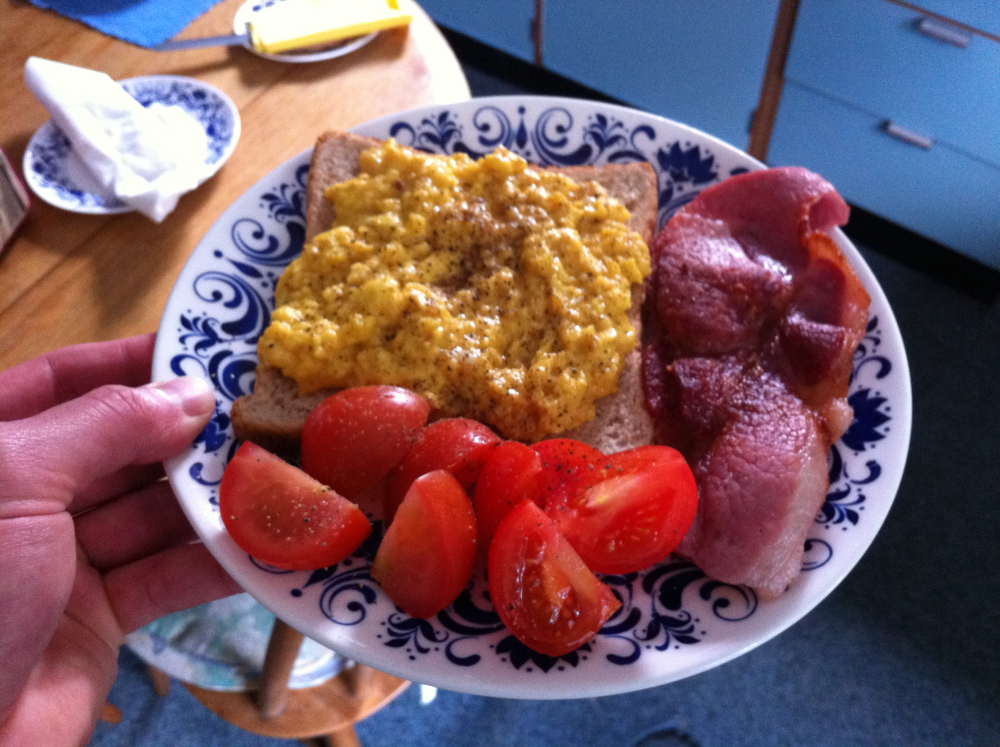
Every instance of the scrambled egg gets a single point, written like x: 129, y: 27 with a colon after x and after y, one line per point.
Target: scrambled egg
x: 499, y: 291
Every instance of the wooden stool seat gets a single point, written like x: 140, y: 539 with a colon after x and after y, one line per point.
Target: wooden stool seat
x: 330, y: 710
x: 325, y: 714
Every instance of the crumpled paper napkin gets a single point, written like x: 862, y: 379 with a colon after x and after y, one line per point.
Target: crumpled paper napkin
x: 147, y: 157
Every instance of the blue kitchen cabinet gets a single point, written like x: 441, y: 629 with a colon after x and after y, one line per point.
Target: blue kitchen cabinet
x: 700, y: 62
x: 905, y: 124
x: 939, y: 192
x: 872, y: 55
x: 505, y: 25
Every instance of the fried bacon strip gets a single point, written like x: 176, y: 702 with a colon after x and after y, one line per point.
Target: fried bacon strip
x: 755, y: 316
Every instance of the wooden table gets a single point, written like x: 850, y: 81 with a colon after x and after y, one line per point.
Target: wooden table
x: 72, y: 278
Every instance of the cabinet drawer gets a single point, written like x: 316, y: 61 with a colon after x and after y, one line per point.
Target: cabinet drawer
x: 939, y: 192
x: 700, y: 62
x: 870, y: 54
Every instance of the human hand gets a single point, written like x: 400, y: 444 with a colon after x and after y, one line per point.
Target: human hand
x: 93, y: 543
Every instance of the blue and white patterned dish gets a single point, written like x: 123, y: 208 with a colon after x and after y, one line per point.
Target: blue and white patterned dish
x: 674, y: 622
x: 57, y: 175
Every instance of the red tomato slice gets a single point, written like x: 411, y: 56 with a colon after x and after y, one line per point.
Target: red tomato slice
x: 632, y: 460
x: 636, y: 516
x: 282, y: 516
x: 568, y: 467
x: 542, y: 590
x: 427, y: 554
x: 510, y: 474
x: 352, y: 439
x: 457, y: 445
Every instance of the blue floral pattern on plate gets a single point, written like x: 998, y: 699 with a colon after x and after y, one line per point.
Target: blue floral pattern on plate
x: 674, y: 621
x: 59, y: 177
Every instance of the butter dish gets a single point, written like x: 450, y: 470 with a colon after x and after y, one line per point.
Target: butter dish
x: 251, y: 9
x: 138, y: 145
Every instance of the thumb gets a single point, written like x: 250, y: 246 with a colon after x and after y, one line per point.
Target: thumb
x: 49, y: 458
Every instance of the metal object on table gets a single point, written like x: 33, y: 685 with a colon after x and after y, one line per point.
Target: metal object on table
x: 294, y: 24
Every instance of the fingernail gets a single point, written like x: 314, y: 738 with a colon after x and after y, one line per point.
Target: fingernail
x: 192, y: 393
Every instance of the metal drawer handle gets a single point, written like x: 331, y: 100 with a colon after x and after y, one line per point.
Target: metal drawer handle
x: 945, y: 32
x: 907, y: 135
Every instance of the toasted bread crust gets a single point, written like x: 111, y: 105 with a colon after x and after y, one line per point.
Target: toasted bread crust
x: 274, y: 415
x: 335, y: 159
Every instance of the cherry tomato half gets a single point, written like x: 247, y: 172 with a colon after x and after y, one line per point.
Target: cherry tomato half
x: 568, y: 467
x: 636, y: 515
x: 510, y: 474
x: 542, y: 590
x: 352, y: 439
x: 427, y: 554
x: 282, y: 516
x: 457, y: 445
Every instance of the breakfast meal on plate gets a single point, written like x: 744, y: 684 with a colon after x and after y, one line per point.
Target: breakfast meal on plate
x: 460, y: 348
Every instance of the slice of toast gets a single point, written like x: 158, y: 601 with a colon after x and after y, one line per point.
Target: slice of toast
x: 274, y: 415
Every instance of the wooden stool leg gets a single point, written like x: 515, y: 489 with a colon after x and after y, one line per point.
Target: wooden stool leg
x: 357, y: 679
x: 345, y: 737
x: 111, y: 714
x: 282, y: 650
x: 161, y: 681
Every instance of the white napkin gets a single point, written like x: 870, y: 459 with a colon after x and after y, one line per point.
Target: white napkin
x: 147, y: 157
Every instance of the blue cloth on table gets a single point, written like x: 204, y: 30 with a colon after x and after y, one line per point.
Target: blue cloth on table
x: 143, y: 22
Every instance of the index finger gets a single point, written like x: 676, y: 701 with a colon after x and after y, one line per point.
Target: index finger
x: 51, y: 379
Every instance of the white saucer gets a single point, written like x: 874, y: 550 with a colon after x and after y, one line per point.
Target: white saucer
x: 57, y: 175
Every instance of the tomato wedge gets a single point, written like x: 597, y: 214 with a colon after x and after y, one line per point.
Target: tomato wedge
x: 510, y: 474
x: 542, y: 590
x: 568, y: 466
x: 427, y: 554
x: 457, y: 445
x: 352, y: 439
x: 282, y: 516
x: 635, y: 516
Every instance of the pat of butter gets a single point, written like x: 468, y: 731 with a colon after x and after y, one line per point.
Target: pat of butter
x: 145, y: 156
x: 293, y: 24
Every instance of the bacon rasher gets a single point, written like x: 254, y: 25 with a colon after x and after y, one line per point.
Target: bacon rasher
x: 756, y: 315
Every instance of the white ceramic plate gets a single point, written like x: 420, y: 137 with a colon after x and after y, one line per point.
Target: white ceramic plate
x: 674, y: 622
x: 57, y: 175
x: 327, y: 52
